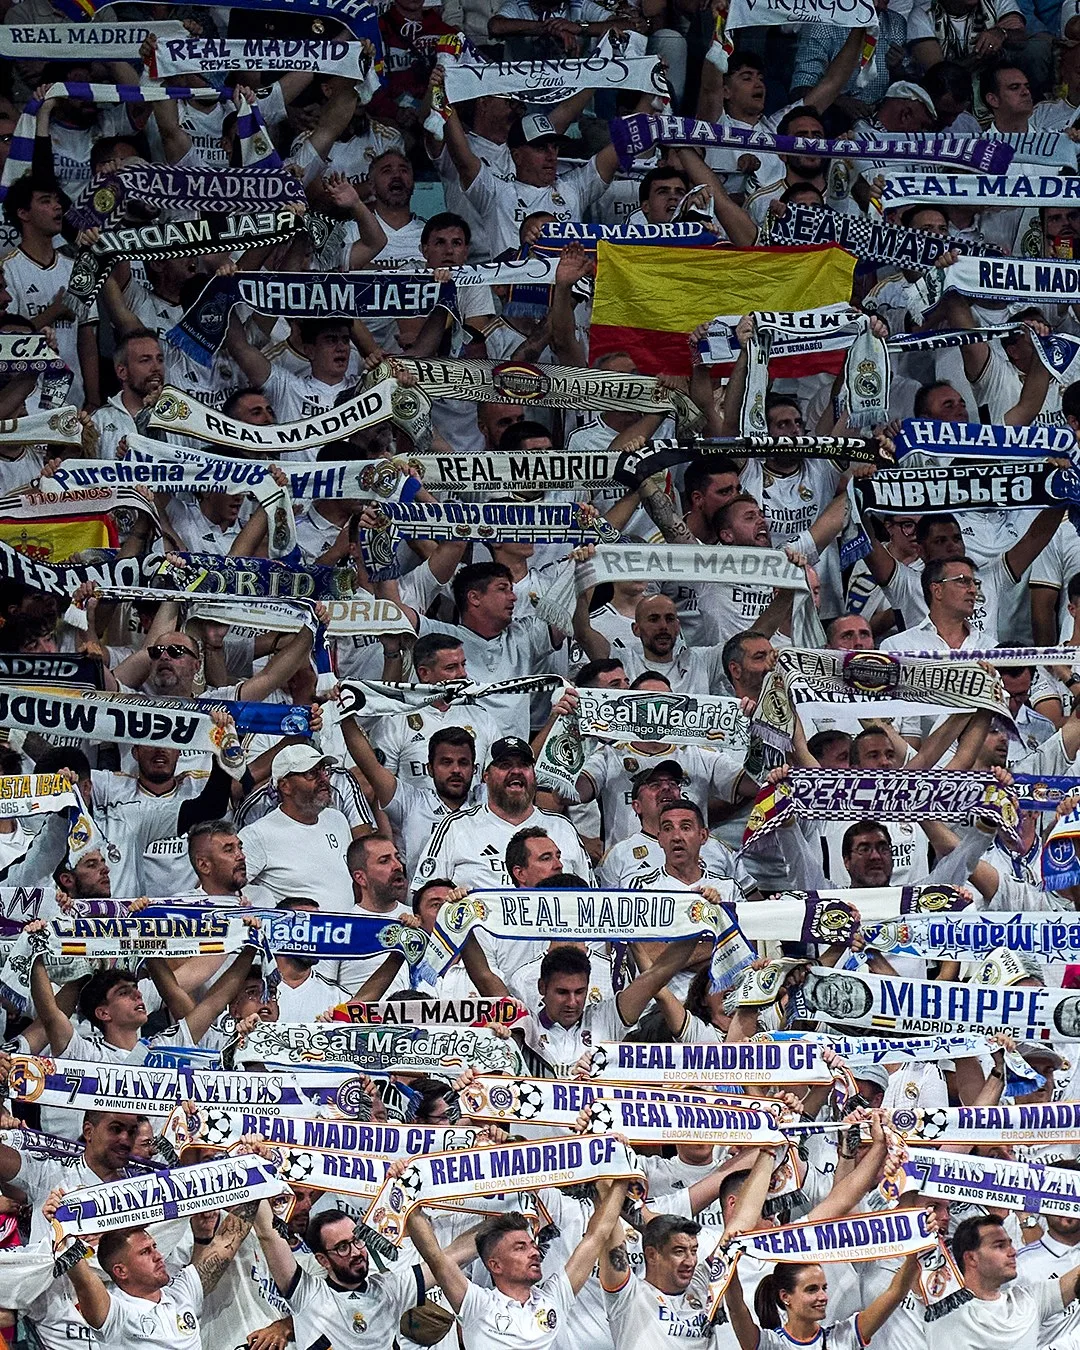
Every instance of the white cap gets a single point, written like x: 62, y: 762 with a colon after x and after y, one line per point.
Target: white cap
x: 297, y: 759
x: 913, y: 93
x: 877, y: 1074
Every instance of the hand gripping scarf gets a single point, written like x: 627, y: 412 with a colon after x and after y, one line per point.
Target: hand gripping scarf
x: 226, y: 1128
x: 1060, y: 861
x: 811, y: 682
x: 496, y: 521
x: 1037, y: 280
x: 1047, y: 938
x: 360, y: 18
x: 866, y: 376
x: 371, y: 698
x: 433, y: 1012
x: 556, y: 234
x: 870, y: 240
x: 572, y: 916
x: 967, y: 487
x: 998, y: 1182
x: 1048, y: 1123
x: 981, y: 440
x: 617, y: 715
x: 936, y: 1007
x: 255, y: 143
x: 32, y: 354
x: 548, y: 386
x: 171, y: 1194
x: 177, y: 411
x: 321, y: 295
x: 546, y: 1101
x: 442, y: 1177
x: 416, y: 1050
x: 187, y: 239
x: 202, y: 55
x: 980, y: 190
x: 164, y: 187
x: 895, y: 794
x: 660, y: 454
x: 632, y: 136
x: 634, y: 1063
x: 300, y: 1094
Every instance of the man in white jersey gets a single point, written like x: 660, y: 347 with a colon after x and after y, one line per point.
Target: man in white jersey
x: 349, y: 1304
x: 36, y: 277
x: 523, y: 1311
x: 682, y: 835
x: 438, y: 658
x: 688, y: 670
x: 140, y: 370
x: 144, y: 1306
x: 469, y: 847
x: 1004, y: 1313
x: 1055, y: 1254
x: 305, y: 836
x: 671, y: 1304
x: 327, y: 343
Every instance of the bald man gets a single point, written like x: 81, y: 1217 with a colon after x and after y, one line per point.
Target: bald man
x: 689, y: 670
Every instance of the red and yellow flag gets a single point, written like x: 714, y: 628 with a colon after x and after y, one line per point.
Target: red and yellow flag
x: 54, y: 539
x: 648, y: 300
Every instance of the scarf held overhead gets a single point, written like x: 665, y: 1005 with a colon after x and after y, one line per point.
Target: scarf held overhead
x: 166, y: 187
x: 967, y: 487
x: 415, y: 1050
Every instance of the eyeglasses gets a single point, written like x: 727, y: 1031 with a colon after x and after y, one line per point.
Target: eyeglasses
x: 904, y: 526
x: 345, y: 1247
x: 320, y: 771
x: 864, y: 850
x: 962, y: 581
x: 173, y: 649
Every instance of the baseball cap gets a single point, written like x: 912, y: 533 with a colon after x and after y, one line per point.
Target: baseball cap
x: 530, y: 130
x: 511, y: 747
x: 913, y: 93
x: 297, y: 759
x: 877, y: 1074
x: 667, y: 768
x: 1030, y: 1050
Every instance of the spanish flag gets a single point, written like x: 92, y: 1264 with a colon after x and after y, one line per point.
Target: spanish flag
x: 52, y: 539
x: 648, y: 300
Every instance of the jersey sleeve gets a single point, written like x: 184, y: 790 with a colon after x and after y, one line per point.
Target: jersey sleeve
x: 403, y: 1289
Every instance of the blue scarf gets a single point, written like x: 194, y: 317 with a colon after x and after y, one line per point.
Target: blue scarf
x: 166, y: 187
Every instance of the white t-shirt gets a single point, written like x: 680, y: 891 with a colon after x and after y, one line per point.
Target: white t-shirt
x: 469, y: 847
x: 491, y: 1319
x: 294, y: 396
x: 612, y: 768
x: 172, y: 1323
x: 644, y: 1318
x: 1049, y: 1259
x: 327, y: 1316
x: 503, y: 203
x: 552, y: 1050
x: 34, y: 288
x: 1055, y: 566
x: 403, y: 741
x: 304, y: 1002
x: 292, y: 859
x: 691, y: 670
x: 840, y: 1336
x: 1013, y: 1321
x: 414, y: 812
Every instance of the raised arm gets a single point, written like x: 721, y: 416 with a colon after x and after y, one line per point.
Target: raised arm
x: 585, y: 1255
x: 444, y: 1269
x: 873, y: 1318
x: 231, y: 1232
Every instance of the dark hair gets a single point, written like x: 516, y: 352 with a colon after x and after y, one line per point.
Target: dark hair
x: 59, y: 757
x: 429, y: 1090
x: 925, y: 524
x: 922, y: 395
x: 314, y: 1235
x: 659, y: 1231
x: 744, y: 59
x: 454, y: 736
x: 386, y: 154
x: 426, y: 648
x: 96, y: 991
x: 777, y: 400
x: 702, y: 468
x: 791, y: 193
x: 733, y: 649
x: 228, y: 408
x: 356, y: 853
x: 1073, y: 589
x: 420, y: 892
x: 990, y: 80
x: 934, y: 570
x: 803, y: 110
x: 515, y: 435
x: 782, y: 1278
x: 10, y: 760
x: 478, y: 576
x: 104, y: 149
x: 720, y: 515
x: 111, y: 1246
x: 517, y: 853
x: 908, y: 217
x: 203, y: 829
x: 697, y: 996
x: 312, y: 329
x: 857, y: 830
x: 860, y: 738
x: 646, y: 676
x: 121, y: 354
x: 590, y: 673
x: 683, y: 804
x: 968, y: 1235
x: 822, y: 741
x: 949, y: 77
x: 445, y: 220
x: 21, y: 193
x: 564, y: 961
x: 495, y: 1229
x: 660, y: 174
x: 1070, y: 401
x: 731, y: 1184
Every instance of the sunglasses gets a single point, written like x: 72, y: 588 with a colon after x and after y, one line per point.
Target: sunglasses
x: 173, y: 649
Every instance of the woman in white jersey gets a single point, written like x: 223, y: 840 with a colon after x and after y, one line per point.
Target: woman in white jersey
x: 792, y: 1304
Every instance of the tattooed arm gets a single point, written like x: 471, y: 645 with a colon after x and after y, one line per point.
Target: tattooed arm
x: 231, y: 1232
x: 614, y: 1262
x: 664, y: 515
